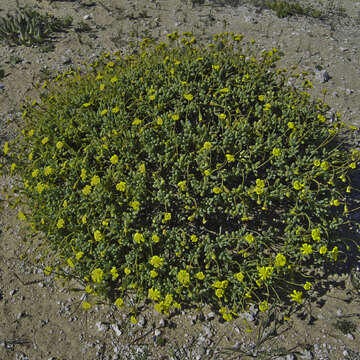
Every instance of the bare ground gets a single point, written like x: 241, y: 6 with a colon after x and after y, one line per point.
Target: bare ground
x: 41, y: 319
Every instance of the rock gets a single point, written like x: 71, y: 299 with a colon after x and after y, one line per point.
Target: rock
x: 162, y: 323
x: 101, y: 326
x: 13, y: 292
x: 210, y: 316
x: 322, y: 75
x: 141, y: 322
x: 115, y: 327
x: 306, y: 355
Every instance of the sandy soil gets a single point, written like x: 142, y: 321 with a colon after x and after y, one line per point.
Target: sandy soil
x: 41, y: 319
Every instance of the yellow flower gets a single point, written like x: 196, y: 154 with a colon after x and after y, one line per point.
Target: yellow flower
x: 48, y: 170
x: 175, y: 117
x: 336, y: 202
x: 156, y: 261
x: 153, y: 274
x: 352, y: 165
x: 98, y: 236
x: 44, y: 140
x: 79, y: 255
x: 84, y: 219
x: 239, y: 276
x: 60, y: 223
x: 48, y: 270
x: 324, y: 165
x: 321, y: 118
x: 120, y: 186
x: 188, y: 97
x: 137, y: 122
x: 267, y: 107
x: 86, y: 190
x: 154, y: 294
x: 261, y: 97
x: 167, y: 216
x: 280, y: 260
x: 224, y: 90
x: 316, y: 162
x: 102, y: 87
x: 97, y: 275
x: 200, y: 275
x: 276, y: 151
x: 222, y: 116
x: 307, y: 285
x: 193, y: 238
x: 115, y: 110
x: 114, y: 273
x: 334, y: 253
x: 83, y: 174
x: 182, y: 185
x: 133, y: 320
x: 215, y: 67
x: 135, y: 204
x: 291, y: 125
x: 152, y: 97
x: 183, y: 277
x: 114, y: 79
x: 104, y: 112
x: 323, y: 250
x: 127, y: 271
x: 219, y: 293
x: 207, y: 172
x: 249, y: 238
x: 207, y: 145
x: 159, y: 121
x: 217, y: 190
x: 35, y: 173
x: 297, y: 185
x: 306, y: 249
x: 138, y: 238
x: 114, y: 159
x: 265, y: 272
x: 155, y: 238
x: 119, y: 303
x: 296, y: 296
x: 95, y: 180
x: 315, y: 234
x: 6, y: 147
x: 21, y: 215
x: 86, y: 305
x: 40, y: 187
x: 230, y: 158
x: 70, y: 263
x: 142, y: 168
x: 263, y: 306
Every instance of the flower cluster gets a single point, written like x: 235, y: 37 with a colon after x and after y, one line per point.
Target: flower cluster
x: 183, y: 189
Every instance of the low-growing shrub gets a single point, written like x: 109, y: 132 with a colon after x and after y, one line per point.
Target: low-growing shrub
x: 183, y: 174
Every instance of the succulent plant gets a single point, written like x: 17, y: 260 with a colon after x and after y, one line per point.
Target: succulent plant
x: 28, y: 27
